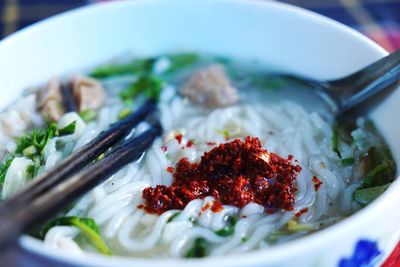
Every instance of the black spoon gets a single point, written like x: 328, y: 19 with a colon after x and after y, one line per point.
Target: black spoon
x: 345, y: 93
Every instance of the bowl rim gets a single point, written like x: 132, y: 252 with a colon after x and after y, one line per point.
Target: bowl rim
x: 274, y: 253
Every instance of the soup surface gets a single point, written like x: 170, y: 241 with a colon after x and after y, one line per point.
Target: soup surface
x: 247, y: 159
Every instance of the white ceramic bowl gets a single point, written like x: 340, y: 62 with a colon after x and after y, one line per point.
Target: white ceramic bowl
x: 284, y: 37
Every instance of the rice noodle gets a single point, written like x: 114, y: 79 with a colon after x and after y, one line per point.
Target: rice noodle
x: 283, y: 127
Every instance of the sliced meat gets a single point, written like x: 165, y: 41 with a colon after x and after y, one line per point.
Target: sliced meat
x: 49, y: 101
x: 210, y: 87
x: 88, y: 93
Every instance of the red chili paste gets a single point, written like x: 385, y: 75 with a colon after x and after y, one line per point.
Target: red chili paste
x: 301, y: 212
x: 234, y: 173
x: 179, y: 137
x: 190, y: 143
x: 317, y: 183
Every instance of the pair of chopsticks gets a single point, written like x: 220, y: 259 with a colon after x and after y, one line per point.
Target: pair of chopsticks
x: 77, y: 174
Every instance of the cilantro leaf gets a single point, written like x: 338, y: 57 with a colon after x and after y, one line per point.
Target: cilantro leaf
x: 364, y: 196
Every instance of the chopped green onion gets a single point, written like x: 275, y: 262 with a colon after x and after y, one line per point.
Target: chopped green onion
x: 136, y: 67
x: 101, y: 156
x: 88, y: 115
x: 145, y: 66
x: 347, y: 161
x: 173, y: 217
x: 230, y: 229
x: 31, y: 145
x: 38, y: 139
x: 88, y: 228
x: 293, y: 226
x: 148, y: 85
x: 124, y: 113
x: 244, y: 239
x: 224, y: 133
x: 198, y: 250
x: 69, y: 129
x: 181, y: 60
x: 32, y: 170
x: 4, y: 168
x: 274, y: 236
x: 29, y: 151
x: 335, y: 140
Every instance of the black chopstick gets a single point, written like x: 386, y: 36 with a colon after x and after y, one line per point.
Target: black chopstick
x: 68, y: 98
x: 24, y: 216
x: 82, y: 157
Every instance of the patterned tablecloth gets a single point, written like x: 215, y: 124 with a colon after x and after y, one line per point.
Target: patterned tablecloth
x: 378, y: 19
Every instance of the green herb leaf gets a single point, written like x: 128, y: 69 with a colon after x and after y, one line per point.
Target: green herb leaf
x: 148, y: 85
x: 32, y: 144
x: 32, y: 170
x: 335, y: 140
x: 69, y: 129
x: 88, y: 115
x: 136, y: 67
x: 244, y: 239
x: 224, y: 133
x: 198, y: 250
x: 364, y: 196
x: 274, y: 236
x: 88, y: 228
x: 100, y: 157
x: 124, y: 113
x: 4, y: 168
x: 181, y: 60
x: 382, y: 167
x: 347, y: 161
x: 293, y: 227
x: 173, y: 217
x: 29, y: 151
x: 378, y: 175
x: 230, y: 229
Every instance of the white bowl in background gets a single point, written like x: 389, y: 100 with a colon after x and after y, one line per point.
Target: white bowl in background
x: 284, y: 37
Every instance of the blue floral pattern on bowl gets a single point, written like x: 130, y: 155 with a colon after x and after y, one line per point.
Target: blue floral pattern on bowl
x: 365, y: 253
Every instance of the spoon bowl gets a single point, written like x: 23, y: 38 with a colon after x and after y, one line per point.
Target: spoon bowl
x: 345, y: 93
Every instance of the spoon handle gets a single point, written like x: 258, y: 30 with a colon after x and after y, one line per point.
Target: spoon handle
x: 359, y: 86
